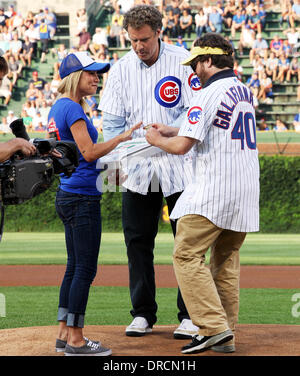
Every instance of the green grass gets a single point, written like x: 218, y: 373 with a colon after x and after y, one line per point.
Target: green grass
x: 273, y: 137
x: 49, y: 248
x: 37, y: 306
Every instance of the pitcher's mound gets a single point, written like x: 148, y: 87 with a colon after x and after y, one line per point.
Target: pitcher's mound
x: 250, y: 340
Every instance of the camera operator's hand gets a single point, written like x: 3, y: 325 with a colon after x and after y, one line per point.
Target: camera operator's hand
x: 56, y: 153
x: 26, y: 147
x: 7, y: 149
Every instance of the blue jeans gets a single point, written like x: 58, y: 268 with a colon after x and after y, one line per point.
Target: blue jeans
x: 81, y: 216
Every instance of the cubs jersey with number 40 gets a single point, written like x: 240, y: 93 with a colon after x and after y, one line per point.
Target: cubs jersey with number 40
x: 226, y: 187
x: 155, y: 94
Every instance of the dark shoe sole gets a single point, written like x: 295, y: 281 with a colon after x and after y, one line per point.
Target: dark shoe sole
x: 214, y: 340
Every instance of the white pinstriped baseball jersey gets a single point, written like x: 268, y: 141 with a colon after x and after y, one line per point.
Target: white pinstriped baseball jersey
x: 155, y: 94
x: 226, y: 186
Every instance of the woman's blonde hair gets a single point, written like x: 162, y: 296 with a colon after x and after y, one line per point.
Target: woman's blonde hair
x: 69, y: 85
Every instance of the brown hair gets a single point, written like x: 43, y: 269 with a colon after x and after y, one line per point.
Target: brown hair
x: 141, y: 15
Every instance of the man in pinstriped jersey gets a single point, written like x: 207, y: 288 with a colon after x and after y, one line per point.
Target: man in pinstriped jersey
x: 222, y: 204
x: 148, y: 84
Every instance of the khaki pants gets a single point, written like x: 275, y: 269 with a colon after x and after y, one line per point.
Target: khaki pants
x: 210, y: 295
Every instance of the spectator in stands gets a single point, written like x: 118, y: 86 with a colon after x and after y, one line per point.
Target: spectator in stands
x: 263, y: 126
x: 33, y: 95
x: 253, y: 84
x: 262, y: 14
x: 4, y: 45
x: 61, y: 52
x: 239, y: 19
x: 201, y: 22
x: 185, y: 23
x: 14, y: 69
x: 287, y: 48
x: 215, y: 21
x: 84, y: 40
x: 260, y: 47
x: 99, y: 41
x: 97, y: 119
x: 185, y: 5
x: 47, y: 94
x: 280, y: 126
x: 174, y: 6
x: 3, y: 17
x: 37, y: 81
x: 92, y: 103
x: 114, y: 58
x: 27, y: 120
x: 238, y: 69
x: 102, y: 57
x: 15, y: 46
x: 254, y: 21
x: 17, y: 22
x: 7, y: 34
x: 118, y: 15
x: 293, y: 35
x: 26, y: 52
x: 29, y: 108
x: 81, y: 20
x: 265, y: 88
x: 6, y: 88
x: 276, y: 45
x: 166, y: 39
x: 54, y: 84
x: 271, y: 66
x: 298, y: 93
x: 29, y: 19
x: 207, y: 8
x: 180, y: 42
x: 247, y: 39
x: 286, y: 8
x: 296, y: 122
x: 4, y: 127
x: 229, y: 12
x: 294, y: 70
x: 44, y: 109
x: 11, y: 117
x: 283, y: 67
x: 116, y: 37
x: 295, y: 13
x: 170, y: 22
x: 33, y: 35
x: 44, y: 36
x: 11, y: 11
x: 50, y: 20
x: 38, y: 122
x: 258, y: 66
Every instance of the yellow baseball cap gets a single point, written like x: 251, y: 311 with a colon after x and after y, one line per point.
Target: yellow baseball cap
x: 197, y: 51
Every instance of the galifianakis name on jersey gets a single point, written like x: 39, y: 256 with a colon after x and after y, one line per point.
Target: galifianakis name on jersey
x: 236, y: 94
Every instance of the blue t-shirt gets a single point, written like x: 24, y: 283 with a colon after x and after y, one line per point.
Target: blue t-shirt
x: 63, y: 114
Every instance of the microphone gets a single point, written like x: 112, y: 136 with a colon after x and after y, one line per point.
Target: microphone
x: 18, y: 129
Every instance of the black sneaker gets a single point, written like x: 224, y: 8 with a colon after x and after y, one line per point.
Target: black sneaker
x: 200, y: 343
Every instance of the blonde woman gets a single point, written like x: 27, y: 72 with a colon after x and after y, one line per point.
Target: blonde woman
x: 78, y: 199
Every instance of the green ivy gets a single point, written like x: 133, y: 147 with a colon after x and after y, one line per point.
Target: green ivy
x: 279, y: 203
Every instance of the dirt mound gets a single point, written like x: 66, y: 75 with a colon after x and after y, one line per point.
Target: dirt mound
x: 275, y: 340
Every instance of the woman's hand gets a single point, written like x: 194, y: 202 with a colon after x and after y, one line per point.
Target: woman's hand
x: 128, y: 134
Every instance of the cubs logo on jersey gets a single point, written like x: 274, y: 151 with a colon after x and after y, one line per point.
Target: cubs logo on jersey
x: 168, y: 91
x: 194, y: 114
x: 194, y: 82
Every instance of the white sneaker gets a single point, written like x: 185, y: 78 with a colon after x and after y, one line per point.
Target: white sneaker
x: 185, y: 330
x: 139, y: 327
